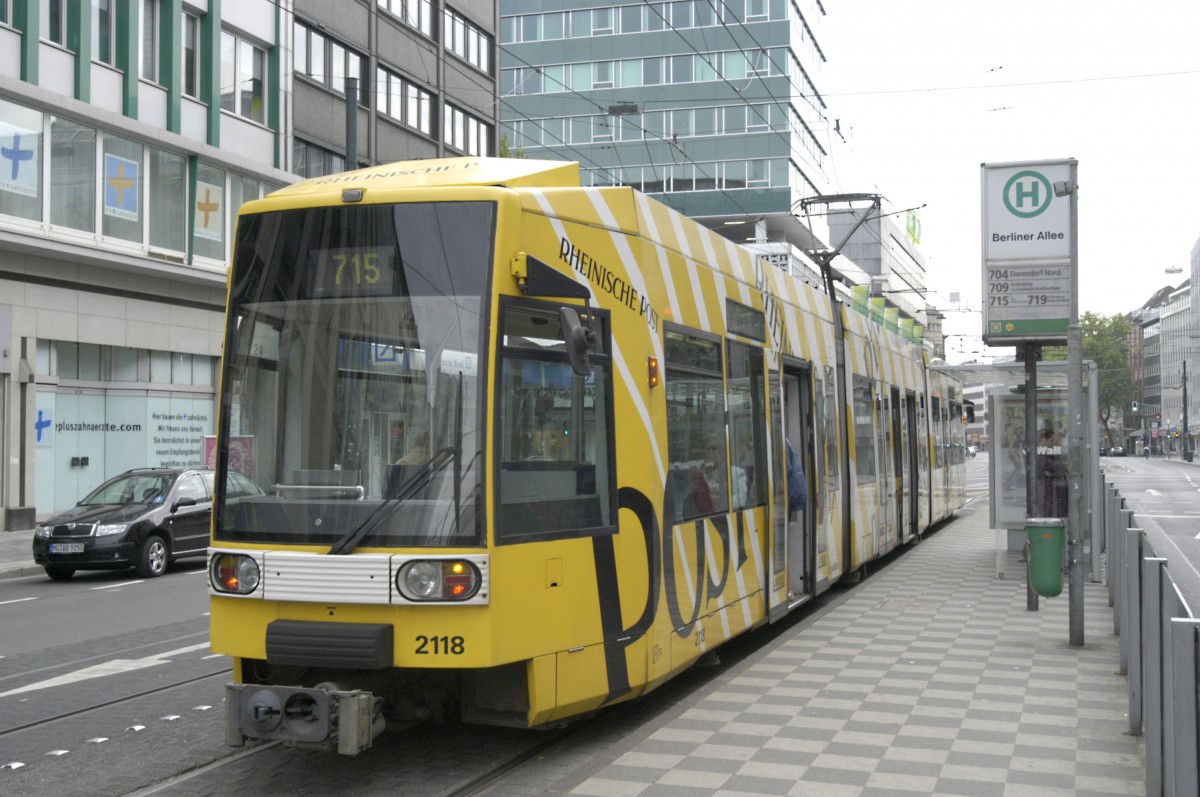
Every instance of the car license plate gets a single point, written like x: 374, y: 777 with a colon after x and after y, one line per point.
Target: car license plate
x: 66, y: 547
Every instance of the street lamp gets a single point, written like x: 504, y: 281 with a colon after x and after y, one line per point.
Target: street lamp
x: 1187, y: 451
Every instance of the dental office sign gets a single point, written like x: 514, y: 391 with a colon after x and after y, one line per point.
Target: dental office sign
x: 1029, y: 272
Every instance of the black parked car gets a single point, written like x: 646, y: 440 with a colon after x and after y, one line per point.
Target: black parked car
x: 144, y: 518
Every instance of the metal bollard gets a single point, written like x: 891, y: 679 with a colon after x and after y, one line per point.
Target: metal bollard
x: 1131, y: 605
x: 1181, y: 776
x: 1153, y: 573
x: 1110, y: 525
x: 1124, y: 521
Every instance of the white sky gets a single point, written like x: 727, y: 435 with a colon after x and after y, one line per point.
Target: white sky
x: 926, y: 91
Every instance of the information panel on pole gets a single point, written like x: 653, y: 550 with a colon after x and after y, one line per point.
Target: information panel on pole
x: 1029, y: 282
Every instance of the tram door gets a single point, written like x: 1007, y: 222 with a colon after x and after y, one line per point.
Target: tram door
x: 887, y: 472
x: 798, y: 432
x: 908, y: 431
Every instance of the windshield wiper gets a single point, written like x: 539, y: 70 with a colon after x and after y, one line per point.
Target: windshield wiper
x: 408, y: 489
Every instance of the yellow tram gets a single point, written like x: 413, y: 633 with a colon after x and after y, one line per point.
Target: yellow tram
x: 496, y: 446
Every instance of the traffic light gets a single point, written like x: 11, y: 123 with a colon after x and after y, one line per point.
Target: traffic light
x: 1135, y: 406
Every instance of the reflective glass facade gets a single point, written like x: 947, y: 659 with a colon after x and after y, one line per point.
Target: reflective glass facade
x: 712, y: 103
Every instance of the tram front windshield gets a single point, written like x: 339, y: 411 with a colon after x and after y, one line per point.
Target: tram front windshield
x: 353, y: 372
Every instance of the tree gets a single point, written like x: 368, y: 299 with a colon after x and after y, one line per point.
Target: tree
x: 1106, y: 342
x: 506, y: 151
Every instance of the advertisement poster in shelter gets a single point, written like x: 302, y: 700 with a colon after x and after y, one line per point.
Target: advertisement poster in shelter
x: 1009, y: 458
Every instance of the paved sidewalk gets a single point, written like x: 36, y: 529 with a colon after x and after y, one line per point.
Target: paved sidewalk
x: 931, y: 678
x: 16, y: 554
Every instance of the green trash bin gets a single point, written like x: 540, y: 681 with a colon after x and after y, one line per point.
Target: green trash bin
x: 1047, y: 540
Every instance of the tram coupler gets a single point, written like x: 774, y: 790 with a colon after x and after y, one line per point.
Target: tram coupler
x: 319, y: 718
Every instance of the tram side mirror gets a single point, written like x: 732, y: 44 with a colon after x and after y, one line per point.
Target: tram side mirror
x: 580, y: 340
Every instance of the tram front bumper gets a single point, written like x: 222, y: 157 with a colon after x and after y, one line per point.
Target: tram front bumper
x: 321, y: 718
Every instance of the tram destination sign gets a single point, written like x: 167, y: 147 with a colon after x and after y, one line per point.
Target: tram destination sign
x: 1029, y: 274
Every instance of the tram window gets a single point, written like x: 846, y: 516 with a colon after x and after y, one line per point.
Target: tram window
x: 746, y: 411
x: 745, y: 321
x: 864, y: 431
x: 882, y: 428
x: 952, y: 438
x: 922, y: 438
x: 698, y: 483
x: 828, y: 421
x: 938, y: 435
x: 553, y: 428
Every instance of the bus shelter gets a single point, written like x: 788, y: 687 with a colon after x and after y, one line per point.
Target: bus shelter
x: 1004, y: 393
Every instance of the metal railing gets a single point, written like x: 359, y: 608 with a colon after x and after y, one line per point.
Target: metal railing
x: 1159, y: 653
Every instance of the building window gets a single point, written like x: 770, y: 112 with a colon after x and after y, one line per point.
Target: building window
x: 53, y: 20
x: 124, y: 364
x: 21, y: 131
x: 72, y: 175
x: 208, y: 238
x: 191, y: 55
x: 416, y: 14
x: 681, y: 68
x: 418, y: 109
x: 602, y: 21
x: 122, y: 189
x: 681, y: 15
x: 168, y: 208
x: 160, y: 366
x: 602, y: 77
x: 403, y: 101
x: 181, y: 369
x: 467, y: 133
x: 149, y: 40
x: 243, y: 78
x: 468, y: 42
x: 310, y: 160
x: 328, y: 62
x: 104, y: 30
x: 241, y: 190
x: 631, y: 19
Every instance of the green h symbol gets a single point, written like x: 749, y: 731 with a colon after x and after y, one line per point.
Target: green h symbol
x: 1029, y: 185
x: 1024, y: 189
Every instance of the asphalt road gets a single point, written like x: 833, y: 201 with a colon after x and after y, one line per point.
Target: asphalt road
x: 40, y: 613
x: 1164, y: 495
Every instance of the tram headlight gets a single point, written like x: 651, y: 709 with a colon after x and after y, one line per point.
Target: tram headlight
x: 438, y: 580
x: 234, y: 573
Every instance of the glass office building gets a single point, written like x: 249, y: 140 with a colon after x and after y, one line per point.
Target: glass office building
x: 711, y: 105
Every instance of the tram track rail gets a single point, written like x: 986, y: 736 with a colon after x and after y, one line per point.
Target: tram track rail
x: 114, y: 702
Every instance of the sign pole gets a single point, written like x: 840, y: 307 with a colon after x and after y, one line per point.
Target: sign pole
x: 1075, y: 415
x: 1031, y: 509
